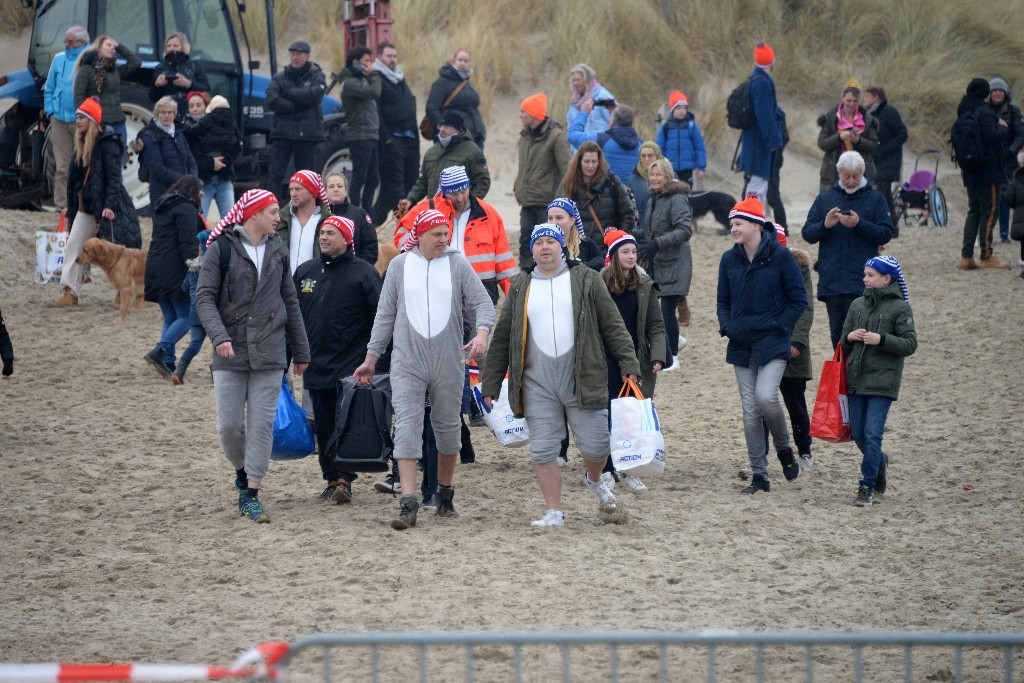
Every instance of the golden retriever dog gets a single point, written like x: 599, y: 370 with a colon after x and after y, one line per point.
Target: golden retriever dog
x: 386, y: 249
x: 125, y: 269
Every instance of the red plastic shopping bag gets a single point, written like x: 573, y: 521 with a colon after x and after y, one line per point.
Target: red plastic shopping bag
x: 830, y: 420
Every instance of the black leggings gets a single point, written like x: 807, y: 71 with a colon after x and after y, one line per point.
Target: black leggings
x: 668, y: 312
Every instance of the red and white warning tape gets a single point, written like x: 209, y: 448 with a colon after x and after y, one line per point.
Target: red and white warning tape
x: 260, y: 662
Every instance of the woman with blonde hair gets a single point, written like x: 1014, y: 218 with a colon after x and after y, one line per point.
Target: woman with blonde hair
x: 585, y: 88
x: 177, y: 75
x: 602, y: 198
x: 166, y: 154
x: 97, y: 203
x: 98, y: 75
x: 452, y: 91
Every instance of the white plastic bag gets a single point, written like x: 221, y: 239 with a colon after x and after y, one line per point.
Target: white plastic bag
x: 509, y: 430
x: 637, y: 444
x: 49, y: 256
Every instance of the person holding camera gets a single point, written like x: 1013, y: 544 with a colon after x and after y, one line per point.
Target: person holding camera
x: 851, y: 221
x: 177, y: 75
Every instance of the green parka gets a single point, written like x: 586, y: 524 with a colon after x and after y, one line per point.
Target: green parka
x: 800, y: 367
x: 544, y: 156
x: 833, y: 147
x: 461, y: 151
x: 878, y: 370
x: 596, y: 322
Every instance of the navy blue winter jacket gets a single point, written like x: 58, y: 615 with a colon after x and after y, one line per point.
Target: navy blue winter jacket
x: 682, y: 144
x: 759, y: 302
x: 843, y: 251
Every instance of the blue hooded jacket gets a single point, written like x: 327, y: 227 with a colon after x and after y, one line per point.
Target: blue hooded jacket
x: 759, y: 301
x: 763, y: 137
x: 843, y: 251
x: 621, y: 145
x: 59, y: 93
x: 682, y: 143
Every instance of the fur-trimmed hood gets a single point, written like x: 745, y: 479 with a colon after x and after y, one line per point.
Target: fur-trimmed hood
x: 802, y: 257
x: 675, y: 187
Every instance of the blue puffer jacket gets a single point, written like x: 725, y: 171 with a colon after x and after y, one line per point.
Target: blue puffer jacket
x: 621, y: 145
x: 844, y: 251
x: 759, y: 302
x: 763, y: 137
x: 682, y: 144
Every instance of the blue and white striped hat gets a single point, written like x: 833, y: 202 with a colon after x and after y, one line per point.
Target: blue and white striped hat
x: 569, y: 206
x: 453, y: 179
x: 887, y: 265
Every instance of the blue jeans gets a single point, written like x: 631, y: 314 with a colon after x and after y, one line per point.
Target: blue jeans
x: 867, y: 422
x: 220, y: 190
x: 195, y: 325
x: 175, y: 326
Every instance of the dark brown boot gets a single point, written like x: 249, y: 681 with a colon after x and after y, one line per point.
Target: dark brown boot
x: 683, y: 312
x: 68, y: 298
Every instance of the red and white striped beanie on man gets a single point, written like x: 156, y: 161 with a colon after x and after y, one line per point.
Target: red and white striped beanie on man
x: 346, y: 227
x: 431, y: 218
x: 248, y: 205
x: 312, y: 181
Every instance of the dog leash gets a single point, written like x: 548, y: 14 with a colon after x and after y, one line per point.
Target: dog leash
x: 713, y: 189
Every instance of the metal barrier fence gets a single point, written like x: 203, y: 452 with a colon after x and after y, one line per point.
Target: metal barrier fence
x: 711, y: 641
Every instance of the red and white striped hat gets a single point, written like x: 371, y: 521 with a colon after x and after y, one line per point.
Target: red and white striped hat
x: 346, y: 227
x: 312, y: 181
x: 431, y: 218
x: 248, y: 205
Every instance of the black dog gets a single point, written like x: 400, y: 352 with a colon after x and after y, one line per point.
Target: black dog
x: 718, y: 204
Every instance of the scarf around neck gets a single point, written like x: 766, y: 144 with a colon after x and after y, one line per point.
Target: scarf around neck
x: 842, y: 123
x: 396, y: 76
x: 578, y: 97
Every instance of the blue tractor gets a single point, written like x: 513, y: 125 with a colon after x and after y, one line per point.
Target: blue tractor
x: 25, y: 161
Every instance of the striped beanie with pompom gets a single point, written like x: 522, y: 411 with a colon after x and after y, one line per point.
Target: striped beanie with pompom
x: 749, y: 209
x: 887, y: 265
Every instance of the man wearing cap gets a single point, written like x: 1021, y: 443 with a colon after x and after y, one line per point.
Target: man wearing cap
x: 338, y: 297
x: 294, y: 95
x: 543, y: 159
x: 421, y: 311
x: 59, y: 104
x: 251, y: 314
x: 760, y: 142
x: 360, y: 97
x: 399, y: 145
x: 557, y: 321
x: 454, y: 147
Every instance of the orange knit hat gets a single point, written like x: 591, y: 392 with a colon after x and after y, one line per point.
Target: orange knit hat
x: 536, y: 106
x: 675, y: 97
x: 92, y: 110
x: 750, y: 209
x: 764, y: 55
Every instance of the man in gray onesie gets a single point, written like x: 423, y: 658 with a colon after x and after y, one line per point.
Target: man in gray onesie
x: 557, y: 318
x: 420, y: 308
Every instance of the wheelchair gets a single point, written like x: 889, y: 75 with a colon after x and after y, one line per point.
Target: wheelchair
x: 920, y: 198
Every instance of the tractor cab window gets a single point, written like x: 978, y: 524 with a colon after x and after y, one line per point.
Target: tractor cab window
x: 132, y: 28
x: 204, y: 24
x: 53, y: 19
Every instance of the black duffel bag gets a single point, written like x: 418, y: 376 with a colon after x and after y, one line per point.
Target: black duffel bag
x: 362, y: 434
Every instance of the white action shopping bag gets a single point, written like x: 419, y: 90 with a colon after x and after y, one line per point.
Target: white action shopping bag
x: 50, y: 255
x: 637, y: 444
x: 509, y: 430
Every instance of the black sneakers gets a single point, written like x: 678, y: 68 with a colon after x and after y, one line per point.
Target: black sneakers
x: 328, y: 492
x: 156, y: 359
x: 865, y: 497
x: 445, y: 507
x: 880, y: 481
x: 790, y: 465
x: 758, y: 483
x: 408, y: 507
x: 342, y: 492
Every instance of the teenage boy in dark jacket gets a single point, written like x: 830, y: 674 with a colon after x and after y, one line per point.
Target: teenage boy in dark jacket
x: 294, y: 95
x: 338, y: 296
x: 399, y: 145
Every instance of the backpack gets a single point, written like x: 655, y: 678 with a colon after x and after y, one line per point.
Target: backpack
x: 739, y: 108
x: 362, y: 435
x: 969, y: 151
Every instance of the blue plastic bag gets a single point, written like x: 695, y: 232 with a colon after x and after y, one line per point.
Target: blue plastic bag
x: 293, y: 439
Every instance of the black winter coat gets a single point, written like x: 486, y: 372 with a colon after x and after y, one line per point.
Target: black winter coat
x: 338, y: 299
x: 397, y: 108
x: 295, y: 96
x: 994, y: 136
x: 175, y: 225
x: 216, y: 134
x: 171, y: 65
x: 466, y: 103
x: 1014, y: 137
x: 166, y: 158
x: 611, y: 203
x: 110, y: 93
x: 101, y: 188
x: 892, y: 135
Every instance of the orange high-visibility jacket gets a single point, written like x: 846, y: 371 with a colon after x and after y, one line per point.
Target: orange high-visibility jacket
x: 486, y: 246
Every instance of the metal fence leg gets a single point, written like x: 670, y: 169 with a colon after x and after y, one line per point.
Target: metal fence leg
x: 613, y: 674
x: 517, y: 663
x: 809, y: 663
x: 858, y: 663
x: 375, y: 664
x: 422, y: 662
x: 711, y: 664
x: 759, y: 659
x: 469, y: 664
x: 566, y: 678
x: 958, y: 664
x: 1007, y: 659
x: 908, y: 664
x: 327, y: 649
x: 662, y: 663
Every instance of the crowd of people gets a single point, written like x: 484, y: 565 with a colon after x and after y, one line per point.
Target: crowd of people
x: 594, y: 297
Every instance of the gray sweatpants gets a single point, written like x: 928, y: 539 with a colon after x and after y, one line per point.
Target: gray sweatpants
x: 246, y: 404
x: 547, y: 405
x: 444, y: 381
x: 759, y: 395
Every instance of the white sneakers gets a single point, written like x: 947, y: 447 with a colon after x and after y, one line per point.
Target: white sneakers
x: 682, y: 342
x: 806, y: 462
x: 605, y: 498
x: 673, y: 366
x: 632, y: 483
x: 551, y: 518
x: 608, y: 480
x: 562, y: 461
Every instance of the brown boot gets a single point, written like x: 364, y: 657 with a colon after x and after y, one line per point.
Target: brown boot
x: 993, y: 262
x: 67, y: 299
x: 683, y: 312
x: 968, y: 263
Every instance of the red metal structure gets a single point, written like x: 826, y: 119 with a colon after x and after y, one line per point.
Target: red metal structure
x: 367, y: 22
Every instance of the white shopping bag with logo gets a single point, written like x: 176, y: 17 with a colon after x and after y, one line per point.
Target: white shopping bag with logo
x: 637, y: 444
x: 509, y: 430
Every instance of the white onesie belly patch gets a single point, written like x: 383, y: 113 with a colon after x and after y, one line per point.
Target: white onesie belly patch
x: 428, y: 293
x: 549, y: 312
